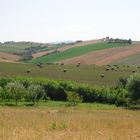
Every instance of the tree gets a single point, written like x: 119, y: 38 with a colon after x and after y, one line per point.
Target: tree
x: 1, y: 92
x: 130, y: 41
x: 15, y: 90
x: 133, y: 87
x: 73, y: 98
x: 122, y: 82
x: 35, y: 93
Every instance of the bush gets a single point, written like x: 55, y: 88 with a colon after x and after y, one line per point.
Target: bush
x: 1, y: 92
x: 73, y: 98
x: 122, y: 82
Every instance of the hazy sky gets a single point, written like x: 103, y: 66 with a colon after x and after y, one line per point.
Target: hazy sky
x: 58, y: 20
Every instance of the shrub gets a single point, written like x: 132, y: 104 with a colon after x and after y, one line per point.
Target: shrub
x: 4, y: 81
x: 73, y: 98
x: 122, y: 82
x: 121, y: 97
x: 1, y: 92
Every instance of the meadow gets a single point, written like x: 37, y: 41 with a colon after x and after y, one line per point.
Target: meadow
x: 88, y: 74
x: 61, y: 123
x: 77, y: 51
x: 15, y: 47
x: 55, y: 120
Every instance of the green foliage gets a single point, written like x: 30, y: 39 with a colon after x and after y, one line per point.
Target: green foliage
x: 121, y: 97
x: 4, y: 81
x: 15, y: 90
x: 122, y: 82
x: 53, y: 125
x: 73, y: 98
x: 1, y: 92
x: 134, y: 89
x: 34, y: 90
x: 35, y: 93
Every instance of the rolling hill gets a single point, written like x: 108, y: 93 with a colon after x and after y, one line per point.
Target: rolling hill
x: 86, y: 52
x: 76, y: 51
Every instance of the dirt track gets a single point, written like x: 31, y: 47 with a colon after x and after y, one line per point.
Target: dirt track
x: 104, y: 57
x: 84, y: 43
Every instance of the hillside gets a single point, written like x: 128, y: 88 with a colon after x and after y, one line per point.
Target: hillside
x: 64, y: 47
x: 133, y: 60
x: 107, y: 56
x: 90, y: 74
x: 76, y: 51
x: 86, y: 52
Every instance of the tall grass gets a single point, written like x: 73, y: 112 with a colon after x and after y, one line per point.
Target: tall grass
x: 68, y: 123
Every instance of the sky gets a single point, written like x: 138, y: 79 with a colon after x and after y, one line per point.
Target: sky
x: 64, y: 20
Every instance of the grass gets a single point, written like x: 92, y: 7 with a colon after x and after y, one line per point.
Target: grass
x: 90, y: 74
x: 57, y: 104
x: 130, y: 60
x: 14, y: 47
x: 73, y: 52
x: 68, y: 123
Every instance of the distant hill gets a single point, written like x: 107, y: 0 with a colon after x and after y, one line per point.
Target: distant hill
x: 74, y: 52
x: 96, y: 52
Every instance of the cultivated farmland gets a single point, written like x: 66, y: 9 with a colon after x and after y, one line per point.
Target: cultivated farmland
x: 77, y: 51
x: 107, y: 56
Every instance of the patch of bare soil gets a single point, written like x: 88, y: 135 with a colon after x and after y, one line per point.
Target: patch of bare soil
x: 8, y: 57
x: 103, y: 57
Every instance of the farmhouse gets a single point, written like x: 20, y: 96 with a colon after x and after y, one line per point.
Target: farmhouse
x: 117, y: 40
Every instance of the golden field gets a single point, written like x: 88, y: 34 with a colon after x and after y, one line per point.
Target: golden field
x: 68, y: 124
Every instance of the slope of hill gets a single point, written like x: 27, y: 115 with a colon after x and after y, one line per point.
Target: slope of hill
x: 90, y: 74
x: 9, y: 57
x: 65, y: 47
x: 23, y: 50
x: 133, y: 60
x: 76, y: 51
x: 103, y: 57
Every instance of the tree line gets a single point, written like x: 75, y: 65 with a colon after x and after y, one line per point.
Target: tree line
x: 126, y: 93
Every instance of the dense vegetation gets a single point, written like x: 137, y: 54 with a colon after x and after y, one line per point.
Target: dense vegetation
x: 34, y: 90
x: 73, y: 52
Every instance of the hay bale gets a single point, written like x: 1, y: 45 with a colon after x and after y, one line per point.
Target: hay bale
x: 64, y: 70
x: 28, y: 71
x: 102, y: 76
x: 107, y: 69
x: 133, y: 71
x: 112, y: 68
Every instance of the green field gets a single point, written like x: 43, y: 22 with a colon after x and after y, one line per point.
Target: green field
x: 73, y: 52
x: 133, y: 60
x: 14, y: 47
x: 83, y: 74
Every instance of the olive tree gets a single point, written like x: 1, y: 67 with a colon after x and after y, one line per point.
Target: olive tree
x: 133, y: 87
x: 14, y: 90
x: 35, y: 93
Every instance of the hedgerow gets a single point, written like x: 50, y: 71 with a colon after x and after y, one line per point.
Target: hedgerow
x: 41, y: 89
